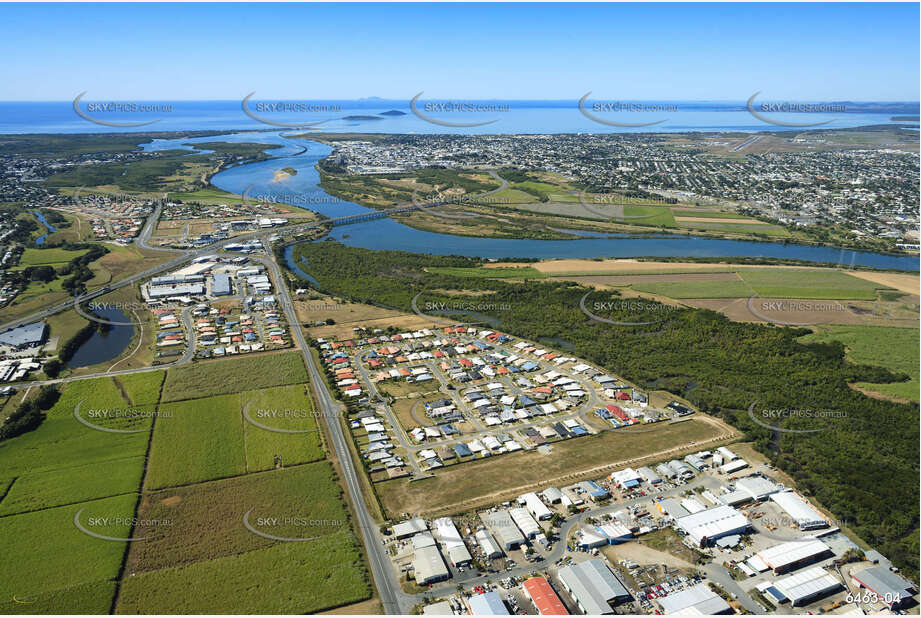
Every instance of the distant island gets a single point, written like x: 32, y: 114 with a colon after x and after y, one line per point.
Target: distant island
x: 393, y: 112
x: 905, y: 118
x: 361, y: 117
x: 284, y: 173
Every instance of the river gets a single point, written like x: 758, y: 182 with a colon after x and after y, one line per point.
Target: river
x: 302, y: 189
x: 51, y: 229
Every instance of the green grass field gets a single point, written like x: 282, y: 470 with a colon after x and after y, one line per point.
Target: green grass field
x: 738, y: 228
x: 285, y: 407
x: 142, y: 388
x: 894, y: 348
x: 652, y: 215
x: 91, y: 598
x: 208, y: 550
x: 44, y: 552
x: 62, y: 443
x: 232, y: 375
x: 288, y: 578
x: 77, y: 483
x: 696, y: 289
x: 210, y: 431
x: 52, y: 257
x: 709, y: 214
x: 818, y: 284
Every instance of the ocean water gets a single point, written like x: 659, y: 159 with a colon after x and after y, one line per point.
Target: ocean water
x: 512, y: 117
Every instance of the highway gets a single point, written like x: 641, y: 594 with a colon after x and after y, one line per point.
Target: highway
x: 393, y: 599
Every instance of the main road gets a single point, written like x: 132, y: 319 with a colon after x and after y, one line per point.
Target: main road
x: 393, y: 599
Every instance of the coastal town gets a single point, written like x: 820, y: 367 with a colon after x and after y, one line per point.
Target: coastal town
x: 804, y: 181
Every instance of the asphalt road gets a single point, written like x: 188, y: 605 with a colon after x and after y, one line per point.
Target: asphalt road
x: 392, y: 597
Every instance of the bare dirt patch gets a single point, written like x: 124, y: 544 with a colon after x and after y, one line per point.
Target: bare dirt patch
x: 904, y: 283
x: 804, y: 311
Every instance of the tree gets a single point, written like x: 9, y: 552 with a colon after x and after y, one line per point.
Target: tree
x: 52, y: 368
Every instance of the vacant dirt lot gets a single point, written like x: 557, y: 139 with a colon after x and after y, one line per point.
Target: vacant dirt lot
x: 805, y: 311
x: 904, y: 283
x: 465, y: 486
x: 348, y: 316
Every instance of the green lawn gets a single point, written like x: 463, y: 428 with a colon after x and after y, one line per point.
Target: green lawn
x: 894, y: 348
x: 53, y: 257
x: 232, y: 375
x: 818, y: 284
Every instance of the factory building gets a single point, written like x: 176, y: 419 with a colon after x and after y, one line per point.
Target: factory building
x: 802, y: 513
x: 792, y: 555
x: 429, y: 566
x: 487, y: 604
x: 886, y: 585
x: 220, y: 285
x: 535, y: 506
x: 488, y: 544
x: 527, y: 524
x: 544, y: 598
x: 410, y: 527
x: 697, y: 600
x: 712, y: 524
x: 593, y: 586
x: 451, y: 542
x: 626, y: 478
x: 806, y: 586
x: 505, y: 530
x: 649, y: 476
x: 26, y: 336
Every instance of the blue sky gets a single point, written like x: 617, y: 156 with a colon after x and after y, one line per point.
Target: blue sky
x: 475, y: 51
